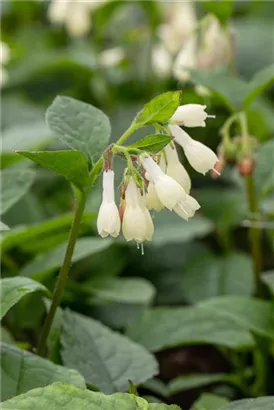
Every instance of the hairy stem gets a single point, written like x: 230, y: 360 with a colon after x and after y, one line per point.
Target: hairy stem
x: 61, y: 282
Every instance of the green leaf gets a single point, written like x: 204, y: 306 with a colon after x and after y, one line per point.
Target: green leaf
x: 171, y: 229
x: 231, y: 90
x: 15, y: 184
x: 106, y: 359
x: 152, y: 143
x: 71, y: 164
x: 211, y: 276
x: 22, y: 371
x: 13, y: 289
x: 158, y: 110
x: 42, y: 267
x: 209, y: 401
x: 161, y: 328
x: 264, y: 171
x: 268, y: 279
x: 260, y: 403
x: 222, y: 10
x: 3, y: 227
x: 33, y: 234
x: 259, y: 82
x: 60, y: 396
x: 125, y: 290
x: 79, y: 125
x: 192, y: 381
x: 251, y: 314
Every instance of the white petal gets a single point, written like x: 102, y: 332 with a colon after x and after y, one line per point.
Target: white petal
x: 108, y: 186
x: 134, y: 225
x: 186, y: 209
x: 169, y: 191
x: 150, y: 226
x: 154, y: 171
x: 190, y: 115
x: 152, y: 199
x: 179, y: 173
x: 108, y: 222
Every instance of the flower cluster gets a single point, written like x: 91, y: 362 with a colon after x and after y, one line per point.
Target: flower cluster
x: 162, y: 181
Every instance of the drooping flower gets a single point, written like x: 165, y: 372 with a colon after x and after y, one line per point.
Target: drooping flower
x: 185, y: 60
x: 175, y: 169
x: 108, y: 222
x: 161, y: 61
x: 169, y: 191
x: 190, y: 115
x: 186, y: 209
x: 136, y: 225
x: 200, y: 157
x: 152, y: 199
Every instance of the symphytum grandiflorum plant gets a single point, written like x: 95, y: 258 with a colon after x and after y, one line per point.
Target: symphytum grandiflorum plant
x: 153, y: 178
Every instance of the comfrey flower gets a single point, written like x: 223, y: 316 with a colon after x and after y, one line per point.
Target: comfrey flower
x: 186, y: 209
x: 108, y: 222
x: 175, y: 169
x: 200, y: 157
x: 169, y: 191
x: 190, y: 115
x: 137, y: 223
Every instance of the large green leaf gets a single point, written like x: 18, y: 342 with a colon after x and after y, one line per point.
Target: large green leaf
x: 172, y: 229
x: 260, y: 403
x: 71, y: 164
x: 258, y: 83
x: 158, y: 110
x: 161, y: 328
x: 79, y: 125
x: 231, y: 90
x: 106, y: 359
x: 152, y: 143
x: 264, y: 171
x: 60, y: 396
x: 125, y: 290
x: 34, y: 235
x: 22, y: 371
x: 43, y: 266
x: 13, y: 289
x: 15, y: 184
x: 268, y: 279
x: 251, y: 314
x: 213, y: 276
x: 192, y: 381
x: 209, y: 401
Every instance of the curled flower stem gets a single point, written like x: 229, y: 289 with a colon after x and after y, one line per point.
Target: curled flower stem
x: 61, y: 281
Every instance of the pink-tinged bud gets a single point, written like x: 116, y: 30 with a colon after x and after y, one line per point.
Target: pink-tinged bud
x: 218, y: 168
x: 246, y: 166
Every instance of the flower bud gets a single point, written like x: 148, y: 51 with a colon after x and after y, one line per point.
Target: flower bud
x: 108, y: 222
x: 190, y: 115
x: 200, y: 157
x: 246, y: 166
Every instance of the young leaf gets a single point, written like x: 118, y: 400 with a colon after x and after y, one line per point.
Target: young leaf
x: 161, y: 328
x: 71, y: 164
x: 152, y: 143
x: 209, y: 401
x: 79, y: 125
x: 22, y: 371
x: 106, y: 359
x: 258, y: 83
x: 13, y: 289
x: 158, y: 110
x: 251, y: 314
x: 59, y: 395
x: 15, y: 184
x: 259, y: 403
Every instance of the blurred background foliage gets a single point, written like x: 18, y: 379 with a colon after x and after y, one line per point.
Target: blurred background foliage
x: 114, y: 64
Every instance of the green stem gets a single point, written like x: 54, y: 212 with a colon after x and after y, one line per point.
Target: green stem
x: 61, y: 282
x: 254, y: 234
x: 126, y: 134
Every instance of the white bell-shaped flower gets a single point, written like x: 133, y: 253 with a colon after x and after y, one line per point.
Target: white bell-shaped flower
x: 161, y: 61
x: 190, y: 115
x: 200, y: 157
x: 149, y: 221
x: 186, y: 209
x: 169, y: 191
x: 185, y: 60
x: 175, y: 169
x: 152, y: 199
x: 135, y: 222
x: 108, y: 222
